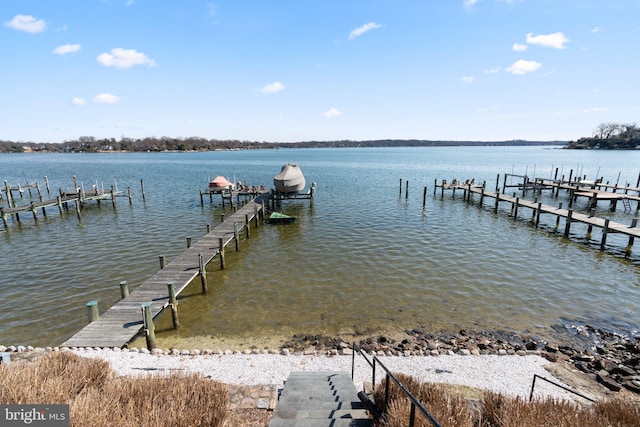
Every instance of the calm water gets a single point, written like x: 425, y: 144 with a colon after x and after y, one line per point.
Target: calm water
x: 360, y: 259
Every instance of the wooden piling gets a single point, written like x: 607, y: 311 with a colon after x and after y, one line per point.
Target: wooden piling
x: 567, y: 225
x: 142, y: 189
x: 221, y: 217
x: 424, y: 197
x: 236, y: 235
x: 129, y: 195
x: 203, y: 273
x: 221, y: 252
x: 406, y: 190
x: 124, y: 289
x: 400, y: 187
x: 92, y: 311
x: 538, y: 213
x: 495, y: 208
x: 247, y: 225
x: 208, y: 228
x: 149, y: 328
x: 558, y: 217
x: 173, y: 304
x: 605, y: 230
x: 163, y: 264
x: 189, y: 241
x: 634, y: 223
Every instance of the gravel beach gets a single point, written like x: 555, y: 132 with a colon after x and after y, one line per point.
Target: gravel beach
x: 510, y: 375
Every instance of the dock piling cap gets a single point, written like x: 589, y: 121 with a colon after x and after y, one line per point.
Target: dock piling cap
x: 92, y: 303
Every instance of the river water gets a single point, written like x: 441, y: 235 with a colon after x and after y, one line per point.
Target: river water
x: 361, y: 259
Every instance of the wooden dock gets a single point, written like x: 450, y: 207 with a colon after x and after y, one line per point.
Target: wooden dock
x: 537, y: 209
x: 62, y: 201
x: 124, y: 321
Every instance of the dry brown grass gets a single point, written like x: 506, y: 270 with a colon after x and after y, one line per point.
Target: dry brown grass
x: 97, y: 398
x: 497, y: 410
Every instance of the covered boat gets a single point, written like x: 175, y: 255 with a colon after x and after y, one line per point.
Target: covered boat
x: 289, y: 180
x: 280, y: 218
x: 219, y: 184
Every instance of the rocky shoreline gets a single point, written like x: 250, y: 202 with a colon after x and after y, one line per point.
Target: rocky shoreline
x: 611, y: 359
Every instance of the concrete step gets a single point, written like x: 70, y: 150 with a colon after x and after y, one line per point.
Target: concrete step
x: 319, y: 399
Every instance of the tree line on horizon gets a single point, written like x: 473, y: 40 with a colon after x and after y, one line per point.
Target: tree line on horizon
x: 89, y: 144
x: 610, y: 136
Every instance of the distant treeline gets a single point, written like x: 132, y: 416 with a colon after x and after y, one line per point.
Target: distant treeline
x: 610, y: 136
x: 88, y: 144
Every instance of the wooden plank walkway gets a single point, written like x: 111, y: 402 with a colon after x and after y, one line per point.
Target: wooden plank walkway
x: 122, y: 322
x: 607, y: 226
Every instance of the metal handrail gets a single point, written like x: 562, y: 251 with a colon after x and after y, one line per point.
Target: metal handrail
x: 415, y: 403
x: 557, y: 385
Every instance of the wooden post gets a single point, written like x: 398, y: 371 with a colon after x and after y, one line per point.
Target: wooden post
x: 113, y: 197
x: 444, y: 181
x: 481, y: 196
x: 236, y: 235
x: 208, y: 228
x: 435, y: 186
x: 498, y: 183
x: 173, y: 303
x: 201, y: 199
x: 221, y: 252
x: 605, y: 230
x: 469, y: 192
x: 515, y: 213
x: 203, y: 273
x: 188, y: 242
x: 124, y: 289
x: 634, y: 223
x: 34, y: 211
x: 78, y: 207
x: 46, y: 183
x: 567, y: 225
x: 39, y: 193
x: 149, y: 328
x: 406, y: 189
x: 142, y: 187
x: 4, y: 217
x: 504, y: 183
x: 59, y: 199
x: 495, y: 209
x: 255, y: 215
x: 558, y: 217
x: 162, y: 262
x: 424, y: 197
x: 538, y: 213
x: 129, y: 194
x: 589, y: 230
x: 221, y: 218
x: 92, y: 311
x: 400, y: 187
x: 247, y: 225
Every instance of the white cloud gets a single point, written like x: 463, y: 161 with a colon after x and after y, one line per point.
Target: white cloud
x: 492, y: 70
x: 124, y: 58
x: 105, y: 98
x: 468, y: 79
x: 78, y: 101
x: 331, y: 113
x: 522, y: 67
x: 596, y: 30
x: 27, y: 23
x: 519, y: 47
x: 363, y: 29
x: 555, y: 40
x: 66, y: 48
x: 272, y: 88
x: 470, y: 3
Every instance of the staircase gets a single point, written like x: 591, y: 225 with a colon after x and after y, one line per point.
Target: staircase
x: 320, y: 399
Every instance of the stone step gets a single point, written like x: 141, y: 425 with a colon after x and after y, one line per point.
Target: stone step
x: 318, y: 405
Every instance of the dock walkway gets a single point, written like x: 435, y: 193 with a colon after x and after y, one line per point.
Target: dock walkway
x: 122, y: 322
x: 607, y: 226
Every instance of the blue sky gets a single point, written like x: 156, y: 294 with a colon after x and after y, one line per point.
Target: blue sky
x: 285, y: 70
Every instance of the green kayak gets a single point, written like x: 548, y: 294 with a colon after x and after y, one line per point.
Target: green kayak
x: 280, y: 218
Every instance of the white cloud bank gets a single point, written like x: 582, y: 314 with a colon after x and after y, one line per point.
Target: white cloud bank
x: 272, y: 88
x: 555, y: 40
x: 27, y: 23
x: 105, y: 98
x: 332, y: 113
x: 363, y: 29
x: 78, y: 101
x: 523, y: 67
x: 66, y: 48
x: 519, y: 47
x: 125, y: 58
